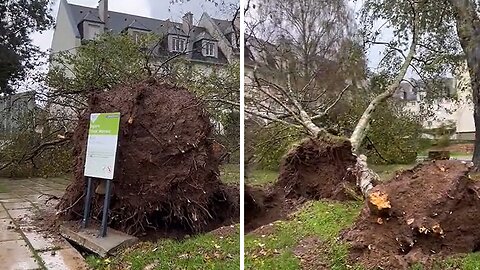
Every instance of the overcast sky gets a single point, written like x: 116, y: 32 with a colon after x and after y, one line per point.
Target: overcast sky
x: 161, y: 9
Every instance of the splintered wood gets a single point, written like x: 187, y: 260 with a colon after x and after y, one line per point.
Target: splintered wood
x: 378, y: 203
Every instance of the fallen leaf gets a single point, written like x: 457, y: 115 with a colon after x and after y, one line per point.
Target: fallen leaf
x: 410, y: 221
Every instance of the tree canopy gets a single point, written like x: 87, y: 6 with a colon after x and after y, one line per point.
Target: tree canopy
x: 18, y: 19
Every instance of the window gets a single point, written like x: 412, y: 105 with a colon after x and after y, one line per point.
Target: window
x: 137, y: 36
x: 93, y: 30
x: 178, y: 44
x: 210, y: 49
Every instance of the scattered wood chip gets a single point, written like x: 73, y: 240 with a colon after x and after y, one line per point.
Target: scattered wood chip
x: 410, y: 221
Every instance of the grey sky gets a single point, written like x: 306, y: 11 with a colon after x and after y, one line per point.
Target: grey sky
x: 161, y: 9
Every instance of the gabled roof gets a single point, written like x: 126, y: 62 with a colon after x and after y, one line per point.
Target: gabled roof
x: 91, y: 17
x: 224, y: 26
x: 176, y: 29
x: 203, y: 34
x: 138, y: 25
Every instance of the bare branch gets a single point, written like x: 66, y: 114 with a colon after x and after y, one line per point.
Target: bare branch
x: 325, y: 112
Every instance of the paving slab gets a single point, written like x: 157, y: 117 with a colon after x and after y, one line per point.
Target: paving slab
x: 45, y: 190
x: 36, y: 198
x: 41, y: 241
x: 55, y: 192
x: 17, y: 205
x: 3, y: 213
x: 15, y: 255
x: 21, y: 214
x: 64, y: 259
x: 8, y: 231
x: 12, y: 199
x: 103, y: 246
x: 4, y: 196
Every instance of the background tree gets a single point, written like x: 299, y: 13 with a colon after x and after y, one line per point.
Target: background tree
x: 17, y: 53
x: 98, y: 64
x: 467, y: 22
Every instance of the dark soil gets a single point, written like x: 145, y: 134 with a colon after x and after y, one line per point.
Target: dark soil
x: 435, y: 213
x: 167, y: 172
x: 266, y: 206
x: 315, y: 169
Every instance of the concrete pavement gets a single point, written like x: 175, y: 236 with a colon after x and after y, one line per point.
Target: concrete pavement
x: 23, y: 245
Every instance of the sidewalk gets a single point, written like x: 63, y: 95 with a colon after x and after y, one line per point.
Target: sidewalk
x: 24, y: 246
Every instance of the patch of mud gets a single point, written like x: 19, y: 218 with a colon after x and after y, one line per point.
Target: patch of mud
x: 225, y: 231
x: 466, y: 148
x: 264, y: 230
x: 312, y: 254
x: 435, y: 213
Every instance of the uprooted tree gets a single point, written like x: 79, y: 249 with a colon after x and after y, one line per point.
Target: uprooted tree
x: 167, y: 171
x: 308, y: 58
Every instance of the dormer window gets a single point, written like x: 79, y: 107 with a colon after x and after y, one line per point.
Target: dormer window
x: 178, y: 44
x: 210, y: 49
x: 92, y: 30
x: 137, y: 35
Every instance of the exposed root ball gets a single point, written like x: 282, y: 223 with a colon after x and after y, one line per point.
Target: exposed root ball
x: 315, y: 169
x: 167, y: 172
x: 318, y: 169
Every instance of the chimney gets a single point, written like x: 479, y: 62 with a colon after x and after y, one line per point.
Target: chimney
x: 187, y: 22
x: 103, y: 11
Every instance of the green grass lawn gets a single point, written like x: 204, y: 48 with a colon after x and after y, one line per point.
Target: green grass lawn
x: 320, y: 219
x: 230, y: 173
x: 207, y: 251
x: 3, y: 188
x: 386, y: 172
x: 262, y: 177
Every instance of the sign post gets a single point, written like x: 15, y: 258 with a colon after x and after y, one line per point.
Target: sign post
x: 100, y: 159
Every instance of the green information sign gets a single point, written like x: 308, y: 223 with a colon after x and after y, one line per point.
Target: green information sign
x: 102, y: 145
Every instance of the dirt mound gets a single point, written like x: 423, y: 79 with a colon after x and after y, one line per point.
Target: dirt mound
x: 435, y: 211
x: 167, y: 172
x: 317, y: 169
x: 466, y: 148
